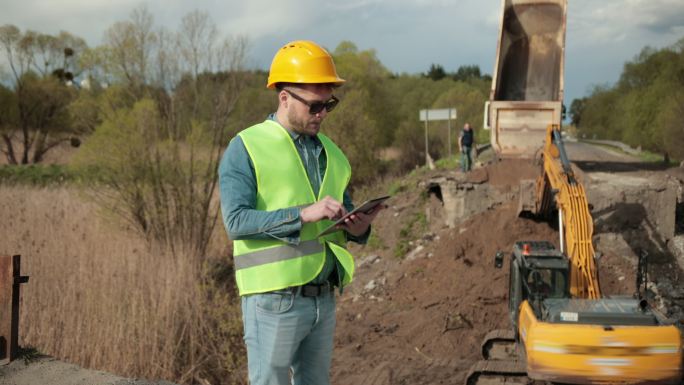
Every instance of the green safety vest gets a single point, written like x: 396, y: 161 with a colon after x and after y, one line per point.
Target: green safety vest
x: 263, y: 265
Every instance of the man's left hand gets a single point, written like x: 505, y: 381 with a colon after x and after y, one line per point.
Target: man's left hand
x: 357, y: 224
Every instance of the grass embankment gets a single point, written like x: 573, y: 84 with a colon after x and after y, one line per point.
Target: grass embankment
x: 643, y: 155
x: 100, y: 297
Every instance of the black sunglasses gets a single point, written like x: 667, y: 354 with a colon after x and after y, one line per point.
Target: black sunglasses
x: 315, y: 107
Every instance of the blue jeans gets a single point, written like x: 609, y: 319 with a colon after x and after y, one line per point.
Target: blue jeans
x: 285, y: 331
x: 466, y: 160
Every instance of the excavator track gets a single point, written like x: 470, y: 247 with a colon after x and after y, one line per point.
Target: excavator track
x: 499, y: 345
x: 497, y: 372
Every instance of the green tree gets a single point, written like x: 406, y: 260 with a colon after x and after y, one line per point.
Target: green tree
x: 255, y: 103
x: 8, y: 118
x: 673, y: 125
x: 600, y: 115
x: 42, y: 69
x: 363, y: 71
x: 468, y: 100
x: 641, y: 108
x: 467, y: 72
x: 576, y: 108
x: 356, y: 133
x: 413, y: 93
x: 44, y: 119
x: 436, y: 72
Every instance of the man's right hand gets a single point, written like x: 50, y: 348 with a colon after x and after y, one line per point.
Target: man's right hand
x: 326, y: 208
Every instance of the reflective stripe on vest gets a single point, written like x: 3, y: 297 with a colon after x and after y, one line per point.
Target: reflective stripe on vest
x: 278, y: 253
x: 263, y: 265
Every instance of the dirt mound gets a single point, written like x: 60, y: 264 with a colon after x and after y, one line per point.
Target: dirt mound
x: 421, y: 320
x: 425, y: 296
x: 506, y: 173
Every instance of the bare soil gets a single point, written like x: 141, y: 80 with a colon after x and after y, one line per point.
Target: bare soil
x: 420, y: 318
x: 424, y: 320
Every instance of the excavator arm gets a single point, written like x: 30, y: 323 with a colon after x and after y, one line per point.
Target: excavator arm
x: 558, y: 189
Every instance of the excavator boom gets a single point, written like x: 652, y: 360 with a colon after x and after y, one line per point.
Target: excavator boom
x: 558, y: 188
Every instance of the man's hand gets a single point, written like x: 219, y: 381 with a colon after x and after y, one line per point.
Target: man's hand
x: 326, y: 208
x: 357, y: 224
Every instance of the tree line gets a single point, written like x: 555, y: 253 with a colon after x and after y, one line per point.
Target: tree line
x: 151, y: 110
x: 61, y: 90
x: 645, y: 108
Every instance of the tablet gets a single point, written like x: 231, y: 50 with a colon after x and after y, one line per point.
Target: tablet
x: 365, y: 208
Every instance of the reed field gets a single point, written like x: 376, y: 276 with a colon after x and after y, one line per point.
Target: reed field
x: 99, y: 296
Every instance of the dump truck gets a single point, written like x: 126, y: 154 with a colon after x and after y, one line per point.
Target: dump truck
x: 563, y: 329
x: 527, y: 82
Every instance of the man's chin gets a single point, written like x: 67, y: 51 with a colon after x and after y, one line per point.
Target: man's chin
x: 313, y: 129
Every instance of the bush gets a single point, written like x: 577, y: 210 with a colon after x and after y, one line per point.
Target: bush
x: 36, y: 174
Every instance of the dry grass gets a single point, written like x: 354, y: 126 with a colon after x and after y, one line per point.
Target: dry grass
x: 98, y: 296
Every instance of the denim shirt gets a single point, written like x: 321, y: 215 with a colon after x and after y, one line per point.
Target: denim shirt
x: 238, y: 186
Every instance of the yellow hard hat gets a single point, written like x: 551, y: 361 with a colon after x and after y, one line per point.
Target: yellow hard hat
x: 302, y: 61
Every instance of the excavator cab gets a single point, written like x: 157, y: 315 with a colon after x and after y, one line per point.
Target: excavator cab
x: 538, y: 271
x: 562, y: 339
x: 540, y: 283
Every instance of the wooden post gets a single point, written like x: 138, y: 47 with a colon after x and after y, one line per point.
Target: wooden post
x: 10, y: 279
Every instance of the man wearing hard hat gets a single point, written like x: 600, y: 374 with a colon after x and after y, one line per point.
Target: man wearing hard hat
x: 281, y: 183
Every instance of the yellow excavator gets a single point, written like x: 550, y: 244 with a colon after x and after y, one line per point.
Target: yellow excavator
x: 563, y: 329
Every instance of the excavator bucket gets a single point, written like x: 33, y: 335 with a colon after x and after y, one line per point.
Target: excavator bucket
x: 527, y: 196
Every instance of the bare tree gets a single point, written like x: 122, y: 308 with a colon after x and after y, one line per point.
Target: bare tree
x: 41, y: 68
x: 167, y: 73
x: 19, y: 62
x: 197, y: 39
x: 173, y: 147
x: 130, y: 45
x: 156, y: 158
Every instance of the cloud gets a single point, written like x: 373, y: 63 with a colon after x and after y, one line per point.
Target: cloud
x: 84, y: 19
x: 664, y: 17
x: 256, y: 18
x: 611, y: 21
x: 408, y: 35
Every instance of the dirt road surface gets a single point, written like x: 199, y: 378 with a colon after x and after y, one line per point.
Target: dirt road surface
x: 585, y: 152
x: 49, y: 371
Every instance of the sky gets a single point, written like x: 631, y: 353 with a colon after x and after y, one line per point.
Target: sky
x: 407, y: 35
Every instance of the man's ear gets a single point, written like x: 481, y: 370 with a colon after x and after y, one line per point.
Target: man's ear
x: 282, y: 98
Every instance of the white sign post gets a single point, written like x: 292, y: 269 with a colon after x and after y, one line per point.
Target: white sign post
x: 433, y: 115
